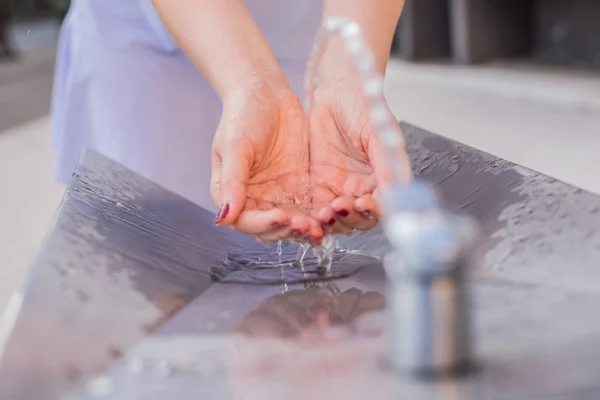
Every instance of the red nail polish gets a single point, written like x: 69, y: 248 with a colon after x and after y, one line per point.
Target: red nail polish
x: 222, y: 214
x: 295, y: 233
x: 343, y: 213
x: 331, y: 221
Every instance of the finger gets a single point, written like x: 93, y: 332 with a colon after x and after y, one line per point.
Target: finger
x: 315, y: 233
x: 303, y: 228
x: 367, y: 207
x: 327, y: 218
x: 349, y: 216
x: 256, y: 222
x: 229, y: 181
x: 337, y: 226
x: 329, y: 222
x: 277, y: 233
x: 312, y: 233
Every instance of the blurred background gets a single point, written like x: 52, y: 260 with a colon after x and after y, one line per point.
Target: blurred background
x: 517, y: 78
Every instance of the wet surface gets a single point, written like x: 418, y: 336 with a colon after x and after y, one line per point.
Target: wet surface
x: 127, y: 260
x: 265, y: 267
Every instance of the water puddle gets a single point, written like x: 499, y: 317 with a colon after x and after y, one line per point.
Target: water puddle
x: 291, y: 263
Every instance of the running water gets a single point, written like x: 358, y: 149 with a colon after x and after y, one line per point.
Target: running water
x: 324, y: 253
x: 279, y: 250
x: 388, y: 131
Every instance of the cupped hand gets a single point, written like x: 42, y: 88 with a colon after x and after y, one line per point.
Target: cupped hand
x: 258, y: 165
x: 347, y: 163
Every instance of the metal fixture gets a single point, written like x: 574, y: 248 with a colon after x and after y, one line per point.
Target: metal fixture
x: 427, y: 263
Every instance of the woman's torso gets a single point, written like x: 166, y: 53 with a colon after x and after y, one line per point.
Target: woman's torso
x: 124, y: 89
x: 288, y: 25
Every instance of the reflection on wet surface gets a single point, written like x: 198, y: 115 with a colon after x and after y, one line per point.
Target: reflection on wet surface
x: 316, y: 313
x: 310, y: 333
x: 330, y: 340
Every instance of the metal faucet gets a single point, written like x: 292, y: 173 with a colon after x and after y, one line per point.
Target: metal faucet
x: 428, y: 299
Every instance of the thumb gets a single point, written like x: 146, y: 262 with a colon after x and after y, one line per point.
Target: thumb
x: 231, y: 171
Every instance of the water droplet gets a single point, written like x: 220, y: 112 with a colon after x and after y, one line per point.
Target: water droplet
x: 373, y: 86
x: 279, y: 250
x: 379, y: 114
x: 100, y: 387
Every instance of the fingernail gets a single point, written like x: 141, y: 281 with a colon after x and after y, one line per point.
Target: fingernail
x: 222, y: 214
x: 367, y: 214
x: 331, y: 221
x: 279, y: 224
x: 295, y: 233
x: 343, y: 213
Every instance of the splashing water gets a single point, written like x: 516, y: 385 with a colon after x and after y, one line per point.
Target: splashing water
x: 302, y: 250
x: 279, y: 250
x: 298, y: 263
x: 389, y: 134
x: 324, y: 252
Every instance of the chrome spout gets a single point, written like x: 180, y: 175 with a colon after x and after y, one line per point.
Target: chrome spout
x: 428, y: 297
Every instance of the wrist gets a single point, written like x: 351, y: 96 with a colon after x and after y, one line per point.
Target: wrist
x: 251, y: 75
x: 338, y: 68
x: 256, y: 88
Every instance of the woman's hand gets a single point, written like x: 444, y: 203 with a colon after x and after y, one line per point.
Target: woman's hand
x: 346, y: 161
x: 259, y: 160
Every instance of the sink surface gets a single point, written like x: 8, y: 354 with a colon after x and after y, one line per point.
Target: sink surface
x: 127, y: 298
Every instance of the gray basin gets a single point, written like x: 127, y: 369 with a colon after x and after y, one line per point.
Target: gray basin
x: 127, y: 298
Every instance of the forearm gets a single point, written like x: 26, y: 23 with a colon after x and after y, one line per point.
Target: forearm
x: 223, y: 41
x: 378, y: 19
